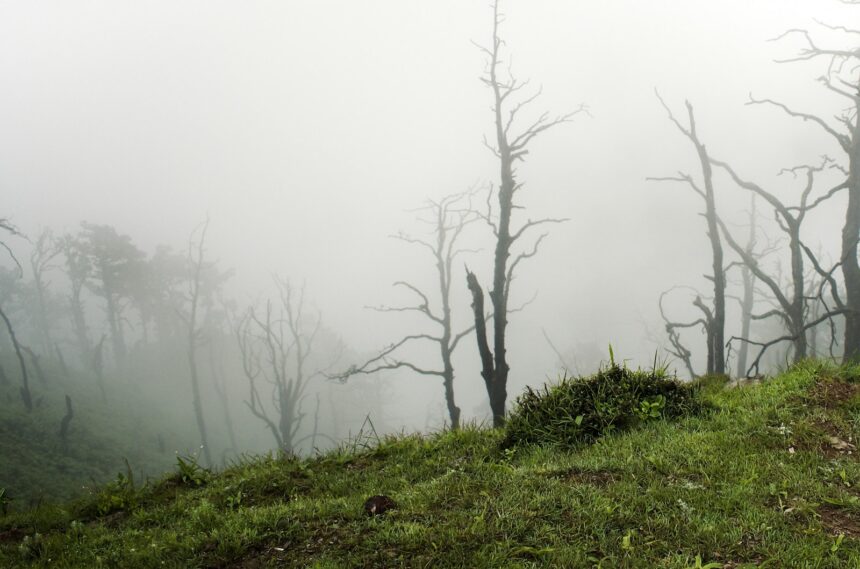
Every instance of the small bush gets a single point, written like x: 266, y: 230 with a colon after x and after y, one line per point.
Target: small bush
x: 190, y: 473
x: 580, y: 410
x: 118, y: 495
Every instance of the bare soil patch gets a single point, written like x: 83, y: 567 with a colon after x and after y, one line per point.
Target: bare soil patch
x: 839, y: 521
x: 599, y: 478
x: 829, y: 393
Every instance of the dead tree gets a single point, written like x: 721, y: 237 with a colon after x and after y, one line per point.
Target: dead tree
x: 791, y: 307
x: 673, y: 328
x: 26, y: 397
x: 61, y: 359
x: 509, y: 148
x: 197, y: 264
x: 715, y: 320
x: 36, y: 359
x: 448, y: 217
x: 842, y: 79
x: 275, y: 349
x: 220, y: 385
x: 98, y: 366
x: 748, y: 299
x: 67, y: 419
x: 7, y: 226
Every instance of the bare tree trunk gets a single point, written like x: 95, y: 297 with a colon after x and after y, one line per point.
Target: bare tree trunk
x: 285, y: 424
x: 98, y: 367
x: 717, y: 330
x: 64, y: 424
x: 448, y: 382
x: 36, y: 359
x: 44, y: 327
x: 487, y: 370
x: 62, y: 361
x: 80, y: 324
x: 116, y: 328
x: 316, y: 430
x: 850, y: 235
x: 195, y: 257
x: 716, y: 319
x: 221, y: 389
x: 748, y: 300
x: 26, y: 397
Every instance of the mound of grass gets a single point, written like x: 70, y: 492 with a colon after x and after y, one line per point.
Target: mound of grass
x: 580, y: 410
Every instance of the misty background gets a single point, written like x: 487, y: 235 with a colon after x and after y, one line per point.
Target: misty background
x: 308, y: 133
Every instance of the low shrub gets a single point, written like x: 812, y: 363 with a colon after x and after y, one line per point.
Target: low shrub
x: 580, y: 410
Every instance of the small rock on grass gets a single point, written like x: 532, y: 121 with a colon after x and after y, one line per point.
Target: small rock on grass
x: 378, y: 505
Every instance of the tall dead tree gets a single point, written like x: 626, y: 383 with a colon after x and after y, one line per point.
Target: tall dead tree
x: 448, y: 217
x: 275, y: 348
x: 26, y: 396
x: 196, y: 264
x: 511, y: 146
x: 842, y: 77
x: 67, y: 419
x: 715, y: 320
x: 748, y: 299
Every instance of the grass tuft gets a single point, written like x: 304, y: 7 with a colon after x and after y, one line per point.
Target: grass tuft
x: 581, y: 410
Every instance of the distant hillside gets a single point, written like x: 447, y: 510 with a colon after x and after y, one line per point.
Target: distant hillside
x: 104, y: 436
x: 766, y: 477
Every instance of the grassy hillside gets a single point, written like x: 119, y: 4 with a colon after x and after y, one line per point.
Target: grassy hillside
x: 105, y: 435
x: 767, y: 477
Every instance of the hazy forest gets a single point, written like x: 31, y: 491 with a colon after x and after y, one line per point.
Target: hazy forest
x: 445, y: 284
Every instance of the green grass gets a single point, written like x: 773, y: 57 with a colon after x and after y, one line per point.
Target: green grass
x: 757, y: 481
x: 581, y: 410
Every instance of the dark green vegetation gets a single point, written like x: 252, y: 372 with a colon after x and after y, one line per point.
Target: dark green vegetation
x: 766, y: 478
x: 580, y: 410
x: 123, y: 432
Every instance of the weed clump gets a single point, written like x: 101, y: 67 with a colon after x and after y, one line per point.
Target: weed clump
x: 580, y: 410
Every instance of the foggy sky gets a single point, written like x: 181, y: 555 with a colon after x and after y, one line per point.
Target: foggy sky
x: 307, y: 130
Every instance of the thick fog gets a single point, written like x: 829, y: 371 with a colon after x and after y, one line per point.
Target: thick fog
x: 308, y: 132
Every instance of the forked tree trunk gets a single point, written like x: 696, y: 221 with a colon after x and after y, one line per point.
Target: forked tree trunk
x: 509, y: 147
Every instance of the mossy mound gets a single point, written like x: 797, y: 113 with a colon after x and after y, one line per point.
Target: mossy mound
x: 580, y: 410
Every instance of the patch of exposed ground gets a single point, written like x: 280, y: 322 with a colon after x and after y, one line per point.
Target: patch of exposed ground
x: 830, y: 394
x: 13, y: 535
x: 599, y: 478
x: 838, y: 520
